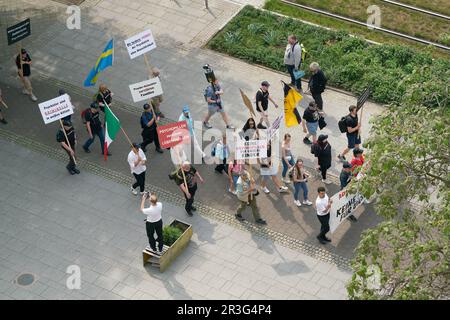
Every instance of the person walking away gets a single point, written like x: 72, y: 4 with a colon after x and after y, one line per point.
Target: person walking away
x: 2, y: 117
x: 103, y: 95
x: 322, y: 151
x: 186, y: 116
x: 136, y: 160
x: 68, y: 148
x: 286, y: 157
x: 156, y: 101
x: 24, y: 72
x: 149, y: 133
x: 222, y: 153
x: 191, y: 175
x: 213, y: 93
x: 344, y: 178
x: 317, y: 84
x: 311, y: 123
x: 293, y: 60
x: 323, y: 206
x: 353, y: 134
x: 300, y: 179
x: 94, y: 128
x: 245, y: 188
x: 262, y: 104
x: 153, y: 222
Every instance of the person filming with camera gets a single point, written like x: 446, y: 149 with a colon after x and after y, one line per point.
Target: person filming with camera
x: 153, y: 222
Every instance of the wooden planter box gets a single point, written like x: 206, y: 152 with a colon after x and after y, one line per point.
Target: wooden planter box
x: 170, y: 253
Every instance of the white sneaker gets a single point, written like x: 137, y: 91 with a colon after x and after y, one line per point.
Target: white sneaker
x: 33, y: 97
x: 24, y: 91
x: 297, y: 203
x: 265, y: 190
x: 286, y: 180
x: 283, y: 189
x: 134, y: 191
x: 326, y: 181
x: 207, y: 125
x: 307, y: 202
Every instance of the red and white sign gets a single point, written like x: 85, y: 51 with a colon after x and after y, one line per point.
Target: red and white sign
x: 173, y: 134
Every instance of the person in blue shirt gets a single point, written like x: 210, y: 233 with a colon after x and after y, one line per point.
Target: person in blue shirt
x: 213, y: 95
x: 186, y: 116
x: 149, y: 133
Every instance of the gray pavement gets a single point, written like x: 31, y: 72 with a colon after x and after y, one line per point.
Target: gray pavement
x: 50, y: 221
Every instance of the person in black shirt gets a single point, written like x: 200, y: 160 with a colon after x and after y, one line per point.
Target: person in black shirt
x: 94, y: 128
x: 322, y: 151
x: 191, y: 175
x: 317, y: 84
x: 24, y: 72
x: 311, y: 123
x: 353, y: 136
x: 344, y: 178
x: 69, y: 148
x: 149, y: 133
x: 103, y: 95
x: 262, y: 103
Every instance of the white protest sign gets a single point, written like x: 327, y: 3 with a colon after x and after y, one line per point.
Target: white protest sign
x: 56, y: 108
x: 343, y: 205
x: 272, y: 130
x: 146, y: 89
x: 140, y: 44
x: 251, y: 149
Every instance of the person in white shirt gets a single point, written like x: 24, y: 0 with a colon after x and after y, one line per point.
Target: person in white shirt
x: 137, y: 160
x: 154, y: 222
x: 323, y: 205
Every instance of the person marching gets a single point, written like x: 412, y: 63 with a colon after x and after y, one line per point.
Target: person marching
x: 322, y: 151
x: 103, y: 95
x: 300, y: 179
x: 213, y: 97
x: 191, y: 175
x: 293, y: 60
x: 344, y: 178
x: 23, y: 64
x: 156, y: 101
x: 137, y: 159
x: 323, y: 206
x: 153, y: 222
x: 286, y: 157
x: 262, y: 104
x: 149, y: 133
x: 317, y: 84
x: 353, y: 134
x: 311, y: 123
x: 222, y: 153
x: 94, y: 128
x: 246, y: 194
x: 68, y: 148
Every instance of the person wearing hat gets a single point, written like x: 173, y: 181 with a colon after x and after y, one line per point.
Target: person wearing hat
x: 23, y: 64
x: 69, y: 148
x: 262, y: 104
x: 245, y: 191
x: 322, y: 151
x: 136, y: 159
x: 94, y: 128
x: 149, y: 133
x: 186, y: 116
x: 215, y: 104
x: 345, y: 177
x: 192, y: 175
x: 357, y: 160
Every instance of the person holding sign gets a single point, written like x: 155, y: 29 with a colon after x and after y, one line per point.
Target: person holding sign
x: 23, y: 64
x: 323, y: 206
x: 246, y: 194
x: 149, y: 133
x: 70, y: 146
x: 191, y: 175
x: 2, y: 118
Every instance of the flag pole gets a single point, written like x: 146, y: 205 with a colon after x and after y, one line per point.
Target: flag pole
x: 3, y: 103
x: 181, y: 168
x: 149, y: 73
x: 121, y: 128
x: 67, y: 141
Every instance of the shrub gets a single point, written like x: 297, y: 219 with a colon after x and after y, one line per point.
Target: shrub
x: 171, y: 234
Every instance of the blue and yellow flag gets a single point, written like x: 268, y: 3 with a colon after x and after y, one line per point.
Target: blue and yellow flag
x: 291, y: 99
x: 105, y: 60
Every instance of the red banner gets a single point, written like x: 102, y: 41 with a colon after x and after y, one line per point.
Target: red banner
x: 172, y: 134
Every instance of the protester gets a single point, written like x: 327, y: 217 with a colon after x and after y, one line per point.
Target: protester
x: 222, y: 152
x: 322, y: 151
x: 136, y: 160
x: 317, y: 84
x: 186, y: 116
x: 69, y: 148
x: 149, y: 133
x: 235, y: 169
x: 323, y: 206
x: 191, y: 175
x: 94, y: 128
x: 103, y: 95
x: 293, y: 60
x: 311, y: 123
x: 268, y: 170
x: 213, y: 97
x: 153, y: 222
x: 286, y: 157
x: 62, y: 92
x: 344, y: 178
x: 24, y: 72
x: 156, y: 101
x: 2, y: 117
x: 262, y: 104
x: 300, y: 179
x: 249, y: 131
x: 246, y: 194
x: 357, y: 161
x: 353, y: 134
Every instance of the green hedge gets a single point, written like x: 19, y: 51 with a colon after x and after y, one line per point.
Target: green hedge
x: 350, y: 63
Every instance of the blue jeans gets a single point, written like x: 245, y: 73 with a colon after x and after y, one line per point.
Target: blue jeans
x: 286, y: 167
x: 297, y: 187
x: 101, y: 137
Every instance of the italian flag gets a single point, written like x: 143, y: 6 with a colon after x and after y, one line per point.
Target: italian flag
x: 112, y: 127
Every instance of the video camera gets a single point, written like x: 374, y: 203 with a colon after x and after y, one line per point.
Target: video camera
x: 209, y: 73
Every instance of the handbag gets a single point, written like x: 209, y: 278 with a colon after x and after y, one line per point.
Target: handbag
x: 298, y: 74
x: 322, y: 123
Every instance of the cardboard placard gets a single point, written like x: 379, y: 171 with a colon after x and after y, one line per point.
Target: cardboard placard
x: 140, y: 44
x: 173, y: 134
x: 55, y: 109
x: 146, y: 89
x: 251, y: 149
x: 343, y: 205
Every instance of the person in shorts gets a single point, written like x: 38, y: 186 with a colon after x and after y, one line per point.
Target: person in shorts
x: 23, y: 64
x: 262, y: 104
x: 213, y: 95
x: 311, y: 123
x: 353, y: 135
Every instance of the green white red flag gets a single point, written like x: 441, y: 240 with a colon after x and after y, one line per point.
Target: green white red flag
x: 112, y: 127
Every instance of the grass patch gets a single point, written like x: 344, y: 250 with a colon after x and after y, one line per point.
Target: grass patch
x: 438, y: 6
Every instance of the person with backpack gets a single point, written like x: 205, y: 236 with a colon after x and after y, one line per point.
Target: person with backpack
x: 213, y: 93
x: 293, y: 60
x: 262, y: 104
x: 149, y: 133
x: 94, y: 127
x: 311, y: 123
x: 69, y: 148
x: 350, y: 125
x: 245, y: 191
x: 322, y: 151
x: 103, y: 95
x: 317, y: 84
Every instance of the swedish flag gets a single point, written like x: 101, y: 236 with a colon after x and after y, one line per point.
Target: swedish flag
x: 105, y: 60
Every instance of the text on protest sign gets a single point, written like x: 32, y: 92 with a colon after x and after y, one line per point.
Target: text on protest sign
x: 173, y: 134
x: 140, y: 44
x: 343, y: 205
x: 55, y: 109
x: 146, y: 89
x: 251, y: 149
x: 18, y: 32
x: 272, y: 130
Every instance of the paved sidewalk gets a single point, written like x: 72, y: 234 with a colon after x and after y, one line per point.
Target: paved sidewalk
x: 50, y: 220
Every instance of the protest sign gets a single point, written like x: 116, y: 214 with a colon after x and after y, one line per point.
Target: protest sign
x: 18, y: 31
x: 146, y: 89
x: 343, y: 205
x: 140, y: 44
x: 272, y: 130
x: 251, y: 149
x: 56, y: 108
x: 173, y: 134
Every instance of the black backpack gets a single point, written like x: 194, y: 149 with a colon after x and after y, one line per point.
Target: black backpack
x: 342, y: 124
x: 315, y: 149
